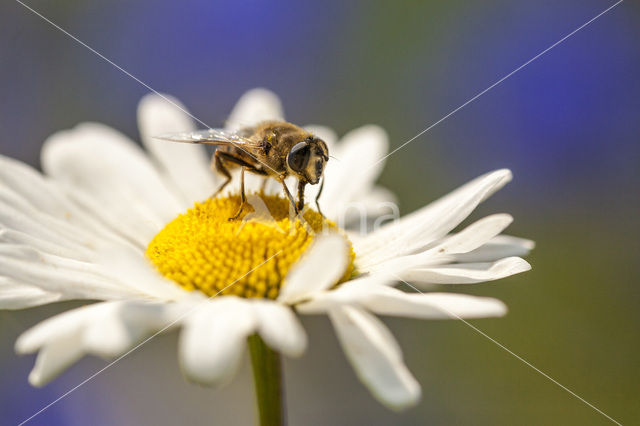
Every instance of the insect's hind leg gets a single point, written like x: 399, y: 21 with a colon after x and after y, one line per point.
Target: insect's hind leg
x: 218, y: 165
x: 243, y: 198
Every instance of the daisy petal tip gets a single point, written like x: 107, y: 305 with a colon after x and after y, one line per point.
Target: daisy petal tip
x: 373, y: 131
x: 152, y: 100
x: 517, y: 265
x: 280, y: 328
x: 470, y: 307
x: 487, y: 307
x: 22, y: 348
x: 295, y: 346
x: 36, y: 380
x: 505, y: 218
x: 193, y: 377
x: 499, y: 178
x: 504, y: 175
x: 52, y: 145
x: 50, y: 365
x: 398, y: 396
x: 209, y: 377
x: 255, y: 105
x: 260, y: 94
x: 155, y: 110
x: 297, y: 353
x: 295, y: 349
x: 500, y: 309
x: 372, y: 136
x: 402, y: 401
x: 26, y: 344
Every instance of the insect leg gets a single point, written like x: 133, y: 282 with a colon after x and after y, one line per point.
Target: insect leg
x: 221, y: 159
x: 218, y: 163
x: 288, y: 194
x: 318, y: 196
x: 301, y: 186
x: 243, y: 198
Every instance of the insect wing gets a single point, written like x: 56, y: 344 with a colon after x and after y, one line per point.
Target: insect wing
x: 208, y: 137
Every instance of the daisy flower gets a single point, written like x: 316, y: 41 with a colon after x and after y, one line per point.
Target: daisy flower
x: 106, y: 222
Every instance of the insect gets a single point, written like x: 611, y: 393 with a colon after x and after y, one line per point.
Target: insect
x: 275, y: 149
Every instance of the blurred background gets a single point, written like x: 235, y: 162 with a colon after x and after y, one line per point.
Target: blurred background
x: 567, y: 125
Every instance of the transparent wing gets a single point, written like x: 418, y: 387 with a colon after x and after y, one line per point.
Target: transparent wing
x: 209, y: 137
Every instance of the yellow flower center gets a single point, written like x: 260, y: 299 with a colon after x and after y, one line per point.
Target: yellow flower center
x: 248, y: 257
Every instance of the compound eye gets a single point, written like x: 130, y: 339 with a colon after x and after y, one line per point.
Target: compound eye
x: 299, y: 156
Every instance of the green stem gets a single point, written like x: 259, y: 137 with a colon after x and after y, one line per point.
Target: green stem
x: 267, y: 375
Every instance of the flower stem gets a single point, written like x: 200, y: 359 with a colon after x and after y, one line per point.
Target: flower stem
x: 267, y: 376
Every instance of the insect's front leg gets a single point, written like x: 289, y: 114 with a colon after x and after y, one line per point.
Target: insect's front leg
x: 318, y: 196
x: 287, y: 193
x: 301, y: 186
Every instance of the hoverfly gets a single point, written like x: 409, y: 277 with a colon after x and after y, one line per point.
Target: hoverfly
x: 274, y: 149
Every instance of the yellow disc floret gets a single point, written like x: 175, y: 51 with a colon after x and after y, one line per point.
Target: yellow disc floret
x: 248, y: 257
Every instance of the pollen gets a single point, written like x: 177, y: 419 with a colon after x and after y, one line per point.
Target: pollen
x: 204, y: 250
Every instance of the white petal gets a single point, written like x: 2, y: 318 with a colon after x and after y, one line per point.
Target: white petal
x: 63, y: 262
x: 320, y: 267
x: 130, y: 267
x: 474, y: 235
x: 350, y: 293
x: 497, y: 248
x: 254, y: 106
x: 391, y: 301
x: 106, y: 167
x: 10, y: 236
x: 214, y: 338
x: 466, y: 273
x: 377, y: 200
x: 431, y: 222
x: 280, y: 328
x: 17, y: 295
x: 32, y: 186
x: 45, y: 197
x: 69, y: 278
x: 367, y: 211
x: 187, y: 166
x: 122, y: 229
x: 113, y: 331
x: 106, y: 329
x: 59, y: 342
x: 55, y: 358
x: 17, y: 214
x: 344, y: 182
x: 374, y: 295
x: 53, y: 328
x: 470, y: 238
x: 375, y: 356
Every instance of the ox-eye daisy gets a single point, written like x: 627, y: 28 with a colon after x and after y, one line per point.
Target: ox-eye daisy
x: 104, y: 223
